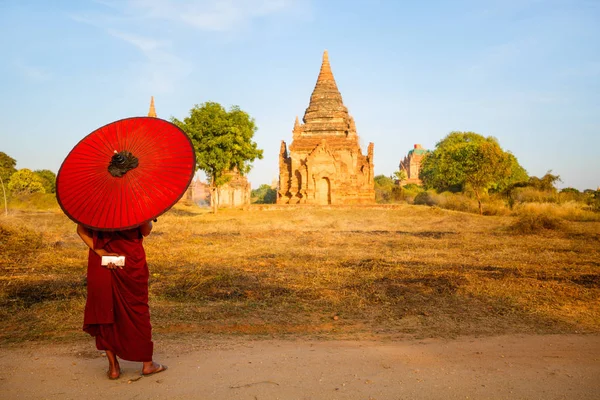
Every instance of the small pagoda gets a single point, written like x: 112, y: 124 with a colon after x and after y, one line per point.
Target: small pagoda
x: 411, y: 164
x: 324, y: 163
x: 152, y: 110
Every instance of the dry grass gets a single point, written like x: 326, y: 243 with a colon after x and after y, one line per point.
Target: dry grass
x: 570, y: 211
x: 402, y: 270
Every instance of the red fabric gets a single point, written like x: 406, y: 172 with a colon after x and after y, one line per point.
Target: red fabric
x: 91, y: 196
x: 116, y: 311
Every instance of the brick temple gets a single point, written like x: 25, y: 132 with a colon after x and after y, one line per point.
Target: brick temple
x: 324, y: 163
x: 411, y: 164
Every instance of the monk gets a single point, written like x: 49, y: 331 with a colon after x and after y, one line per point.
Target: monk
x: 116, y: 311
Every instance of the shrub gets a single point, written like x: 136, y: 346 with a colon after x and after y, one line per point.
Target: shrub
x: 532, y: 195
x: 387, y: 190
x: 457, y: 202
x: 495, y: 206
x: 34, y: 201
x: 410, y: 191
x: 570, y: 211
x: 528, y: 223
x: 592, y: 199
x: 427, y: 198
x: 264, y: 195
x: 18, y: 244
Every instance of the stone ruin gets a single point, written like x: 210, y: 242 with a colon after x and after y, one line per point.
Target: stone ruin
x: 236, y: 192
x: 411, y: 164
x: 324, y: 163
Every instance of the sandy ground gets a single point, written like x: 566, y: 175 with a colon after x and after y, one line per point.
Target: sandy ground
x: 506, y: 367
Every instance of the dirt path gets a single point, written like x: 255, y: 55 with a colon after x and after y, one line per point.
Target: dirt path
x: 507, y: 367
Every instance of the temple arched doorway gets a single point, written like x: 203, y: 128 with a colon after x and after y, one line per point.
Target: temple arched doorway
x: 323, y: 191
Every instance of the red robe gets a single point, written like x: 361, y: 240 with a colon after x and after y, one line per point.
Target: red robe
x: 116, y: 311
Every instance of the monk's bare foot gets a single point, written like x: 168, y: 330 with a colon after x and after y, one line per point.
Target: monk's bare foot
x: 151, y: 368
x: 114, y: 371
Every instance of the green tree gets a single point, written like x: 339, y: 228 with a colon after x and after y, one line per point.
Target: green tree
x: 7, y: 168
x: 400, y: 176
x: 469, y: 161
x: 48, y: 179
x: 264, y: 195
x: 222, y: 140
x: 386, y: 189
x: 593, y: 198
x: 570, y: 190
x: 24, y: 181
x: 546, y: 183
x: 518, y: 176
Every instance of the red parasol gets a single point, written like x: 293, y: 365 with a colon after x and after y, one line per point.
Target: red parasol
x: 125, y: 173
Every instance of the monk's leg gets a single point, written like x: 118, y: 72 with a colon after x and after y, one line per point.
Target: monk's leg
x: 114, y: 370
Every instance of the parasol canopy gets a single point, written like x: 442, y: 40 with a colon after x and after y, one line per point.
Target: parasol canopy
x: 125, y: 173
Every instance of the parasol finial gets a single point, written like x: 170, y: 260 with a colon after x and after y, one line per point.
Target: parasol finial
x: 122, y: 162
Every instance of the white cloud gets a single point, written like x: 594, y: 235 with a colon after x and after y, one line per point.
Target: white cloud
x: 162, y: 68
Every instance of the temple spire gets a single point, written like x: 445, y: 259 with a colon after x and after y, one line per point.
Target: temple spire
x: 325, y: 74
x: 297, y: 127
x: 152, y: 111
x: 326, y: 110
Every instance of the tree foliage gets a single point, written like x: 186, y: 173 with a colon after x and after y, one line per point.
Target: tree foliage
x: 467, y: 160
x: 222, y: 140
x: 386, y: 190
x: 570, y: 190
x: 546, y: 183
x: 400, y: 176
x: 7, y: 167
x: 48, y: 179
x: 383, y: 181
x: 518, y: 176
x: 25, y: 181
x: 264, y: 195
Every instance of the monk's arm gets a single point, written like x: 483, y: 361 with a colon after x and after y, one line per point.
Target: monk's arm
x: 86, y: 236
x: 146, y: 228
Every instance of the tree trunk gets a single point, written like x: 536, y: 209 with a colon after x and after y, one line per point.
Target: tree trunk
x: 479, y: 202
x: 4, y: 193
x: 214, y: 197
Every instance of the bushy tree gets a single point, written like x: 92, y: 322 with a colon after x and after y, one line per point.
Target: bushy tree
x: 222, y: 140
x: 7, y: 167
x: 48, y: 179
x: 265, y: 194
x: 546, y: 183
x: 518, y: 176
x: 570, y: 190
x: 25, y: 181
x: 386, y: 190
x: 468, y: 160
x: 400, y: 176
x: 593, y: 198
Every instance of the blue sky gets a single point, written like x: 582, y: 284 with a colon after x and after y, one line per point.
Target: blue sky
x: 524, y: 71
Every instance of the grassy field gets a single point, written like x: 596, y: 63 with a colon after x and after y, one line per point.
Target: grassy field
x: 402, y: 271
